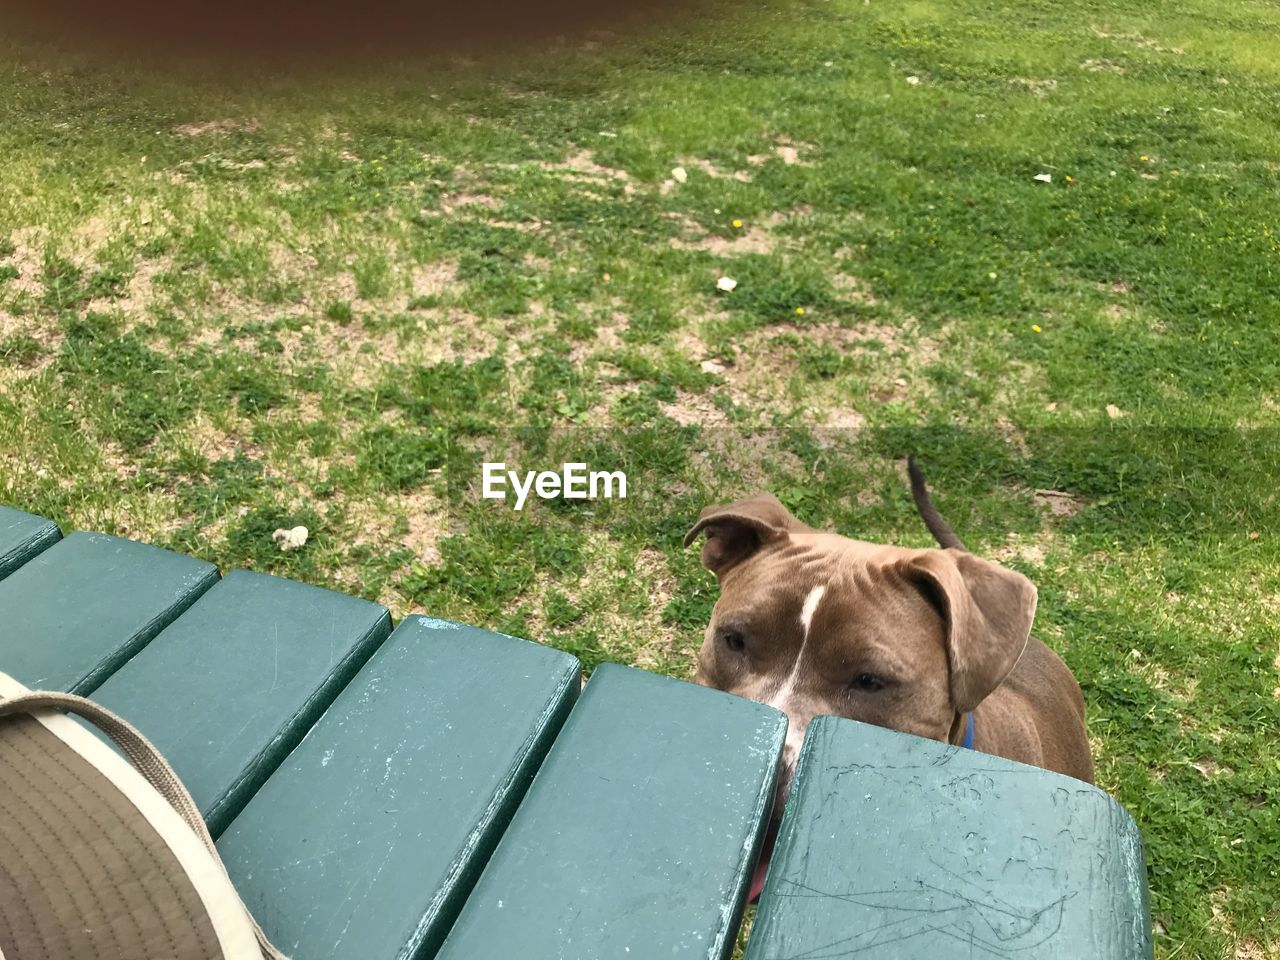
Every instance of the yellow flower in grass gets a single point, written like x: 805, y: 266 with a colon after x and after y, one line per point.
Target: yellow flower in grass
x: 800, y: 311
x: 737, y: 224
x: 1035, y: 328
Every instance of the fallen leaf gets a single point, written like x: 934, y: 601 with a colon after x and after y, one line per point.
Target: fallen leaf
x: 1043, y: 177
x: 1114, y: 412
x: 1050, y: 407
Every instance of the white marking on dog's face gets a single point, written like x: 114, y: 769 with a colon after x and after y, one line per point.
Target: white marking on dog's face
x: 810, y: 607
x: 781, y: 699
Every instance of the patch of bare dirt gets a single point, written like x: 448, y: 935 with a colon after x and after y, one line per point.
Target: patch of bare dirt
x: 754, y: 236
x: 433, y: 279
x: 211, y: 128
x: 852, y: 289
x: 1099, y: 66
x: 28, y: 258
x: 1059, y: 503
x: 607, y: 337
x: 214, y: 442
x: 713, y: 171
x: 92, y: 233
x: 842, y: 418
x: 694, y: 408
x: 680, y: 174
x: 1030, y: 551
x: 464, y: 201
x: 785, y: 149
x: 753, y: 239
x: 360, y: 356
x: 1137, y: 40
x: 290, y: 261
x: 1208, y: 767
x: 14, y: 375
x: 904, y: 341
x: 895, y: 355
x: 1040, y: 88
x: 376, y: 521
x: 428, y: 519
x: 137, y: 295
x: 583, y: 168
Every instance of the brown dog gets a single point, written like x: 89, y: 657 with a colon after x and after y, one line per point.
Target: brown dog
x: 816, y: 624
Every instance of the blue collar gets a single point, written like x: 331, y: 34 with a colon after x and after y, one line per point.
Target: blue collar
x: 967, y: 742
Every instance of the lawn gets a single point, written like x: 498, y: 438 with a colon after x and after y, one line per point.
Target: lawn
x: 1036, y: 244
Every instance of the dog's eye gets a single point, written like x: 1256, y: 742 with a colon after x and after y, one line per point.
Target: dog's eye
x: 868, y: 682
x: 733, y: 640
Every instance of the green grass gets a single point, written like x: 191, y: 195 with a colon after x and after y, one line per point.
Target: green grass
x: 229, y: 305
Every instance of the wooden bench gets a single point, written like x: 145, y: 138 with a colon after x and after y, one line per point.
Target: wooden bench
x: 439, y: 790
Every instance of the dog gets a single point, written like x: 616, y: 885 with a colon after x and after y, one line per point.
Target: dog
x: 933, y: 642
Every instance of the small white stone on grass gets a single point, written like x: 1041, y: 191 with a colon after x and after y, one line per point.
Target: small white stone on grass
x: 288, y: 540
x: 679, y: 174
x: 713, y: 366
x: 914, y: 81
x: 726, y: 284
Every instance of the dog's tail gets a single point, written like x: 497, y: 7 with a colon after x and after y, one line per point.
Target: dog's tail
x: 940, y: 529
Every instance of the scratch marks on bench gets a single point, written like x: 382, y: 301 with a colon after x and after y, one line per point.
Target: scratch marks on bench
x: 275, y: 657
x: 957, y: 909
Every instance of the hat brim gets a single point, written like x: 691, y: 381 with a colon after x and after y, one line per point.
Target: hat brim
x: 94, y: 863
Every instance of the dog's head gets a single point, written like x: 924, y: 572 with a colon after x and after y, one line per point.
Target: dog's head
x: 817, y: 624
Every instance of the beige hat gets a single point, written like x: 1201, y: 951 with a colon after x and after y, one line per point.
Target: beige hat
x: 103, y: 858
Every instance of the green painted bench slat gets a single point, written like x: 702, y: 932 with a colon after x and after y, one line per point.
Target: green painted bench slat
x: 363, y: 844
x: 78, y: 610
x: 22, y: 536
x: 232, y: 685
x: 638, y: 836
x: 898, y: 847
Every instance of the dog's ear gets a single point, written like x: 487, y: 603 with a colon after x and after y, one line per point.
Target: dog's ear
x: 987, y: 611
x: 737, y: 530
